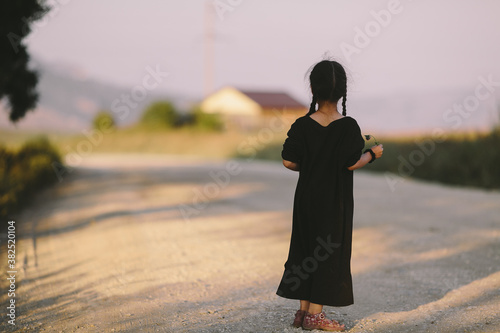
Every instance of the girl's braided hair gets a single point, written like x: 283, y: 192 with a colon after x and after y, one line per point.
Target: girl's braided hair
x: 328, y: 82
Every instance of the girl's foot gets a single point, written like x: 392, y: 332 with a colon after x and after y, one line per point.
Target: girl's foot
x: 320, y: 322
x: 299, y: 318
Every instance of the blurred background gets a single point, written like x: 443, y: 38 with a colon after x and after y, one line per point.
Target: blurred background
x: 200, y: 77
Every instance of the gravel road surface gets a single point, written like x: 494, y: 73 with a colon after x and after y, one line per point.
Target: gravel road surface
x: 144, y: 243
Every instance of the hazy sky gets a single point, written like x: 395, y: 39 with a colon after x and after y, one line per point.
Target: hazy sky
x: 270, y: 44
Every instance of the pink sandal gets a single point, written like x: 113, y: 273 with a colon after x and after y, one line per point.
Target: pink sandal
x: 320, y: 322
x: 299, y: 318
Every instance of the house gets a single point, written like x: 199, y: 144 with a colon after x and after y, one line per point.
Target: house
x: 250, y: 109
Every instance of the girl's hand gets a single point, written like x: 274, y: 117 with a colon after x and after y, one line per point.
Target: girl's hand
x: 378, y: 150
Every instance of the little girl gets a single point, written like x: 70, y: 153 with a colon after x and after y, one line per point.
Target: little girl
x: 325, y: 147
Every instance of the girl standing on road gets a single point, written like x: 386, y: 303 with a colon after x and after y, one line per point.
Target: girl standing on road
x: 325, y: 147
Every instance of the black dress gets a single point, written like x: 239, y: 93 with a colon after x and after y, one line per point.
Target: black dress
x: 318, y: 268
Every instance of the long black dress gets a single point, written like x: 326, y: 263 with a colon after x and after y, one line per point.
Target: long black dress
x: 318, y: 266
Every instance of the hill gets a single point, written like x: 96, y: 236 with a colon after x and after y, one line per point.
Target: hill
x: 69, y: 100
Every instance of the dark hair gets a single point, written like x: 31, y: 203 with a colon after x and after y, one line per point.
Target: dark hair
x: 328, y: 83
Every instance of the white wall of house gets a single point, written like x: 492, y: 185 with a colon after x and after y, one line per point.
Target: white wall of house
x: 231, y: 102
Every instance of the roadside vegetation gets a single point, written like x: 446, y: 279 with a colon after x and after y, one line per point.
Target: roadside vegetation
x: 25, y: 172
x: 466, y: 160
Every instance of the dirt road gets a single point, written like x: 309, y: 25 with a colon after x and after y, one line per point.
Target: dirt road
x: 162, y: 244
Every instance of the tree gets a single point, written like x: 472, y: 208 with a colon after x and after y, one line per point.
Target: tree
x: 17, y: 81
x: 159, y: 115
x: 207, y: 121
x: 103, y: 121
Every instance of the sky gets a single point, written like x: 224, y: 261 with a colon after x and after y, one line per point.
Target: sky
x: 387, y: 46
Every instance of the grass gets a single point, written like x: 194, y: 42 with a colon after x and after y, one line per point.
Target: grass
x: 16, y: 139
x: 180, y: 141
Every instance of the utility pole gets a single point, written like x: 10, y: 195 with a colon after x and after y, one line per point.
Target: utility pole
x: 209, y: 48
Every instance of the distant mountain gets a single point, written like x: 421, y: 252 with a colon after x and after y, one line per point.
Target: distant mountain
x: 69, y: 100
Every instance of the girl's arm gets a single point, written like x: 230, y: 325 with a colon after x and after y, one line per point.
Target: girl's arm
x: 291, y: 165
x: 363, y: 160
x: 366, y: 157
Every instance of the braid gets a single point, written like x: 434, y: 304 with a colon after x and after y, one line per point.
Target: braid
x: 334, y: 81
x: 344, y: 111
x: 312, y: 108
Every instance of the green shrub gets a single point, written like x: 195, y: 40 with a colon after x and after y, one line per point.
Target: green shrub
x: 25, y: 172
x: 103, y: 121
x: 207, y: 121
x: 456, y: 161
x: 159, y: 115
